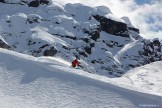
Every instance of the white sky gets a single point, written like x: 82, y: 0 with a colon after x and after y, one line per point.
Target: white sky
x: 146, y: 17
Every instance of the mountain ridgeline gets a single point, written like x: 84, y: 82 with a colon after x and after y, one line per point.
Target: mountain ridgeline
x: 109, y: 45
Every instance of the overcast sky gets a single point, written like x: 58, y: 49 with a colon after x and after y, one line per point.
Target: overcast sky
x: 144, y: 14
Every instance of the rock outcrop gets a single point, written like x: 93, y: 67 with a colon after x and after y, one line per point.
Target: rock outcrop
x: 153, y: 49
x: 3, y: 44
x: 112, y: 27
x: 51, y: 52
x: 36, y: 3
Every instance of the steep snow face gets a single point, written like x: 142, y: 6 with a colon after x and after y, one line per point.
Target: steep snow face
x: 18, y: 23
x: 43, y: 82
x: 130, y: 53
x: 71, y: 30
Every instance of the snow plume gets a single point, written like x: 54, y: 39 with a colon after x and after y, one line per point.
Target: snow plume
x: 146, y: 15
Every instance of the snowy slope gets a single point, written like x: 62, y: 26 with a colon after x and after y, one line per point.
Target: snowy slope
x: 146, y: 78
x: 43, y: 82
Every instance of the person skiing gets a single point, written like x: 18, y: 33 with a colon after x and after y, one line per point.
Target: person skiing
x: 75, y: 63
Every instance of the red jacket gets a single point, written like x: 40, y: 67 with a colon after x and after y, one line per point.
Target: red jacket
x: 75, y: 62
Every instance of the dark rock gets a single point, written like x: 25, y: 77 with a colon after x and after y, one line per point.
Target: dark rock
x: 134, y: 29
x: 83, y: 54
x: 148, y: 47
x: 112, y: 27
x: 130, y: 65
x: 34, y: 19
x: 151, y: 59
x: 152, y: 51
x: 3, y: 1
x: 4, y: 45
x: 34, y: 3
x: 70, y: 37
x: 86, y: 31
x: 65, y: 47
x: 92, y: 44
x: 95, y: 35
x: 51, y: 52
x: 46, y: 45
x: 157, y: 43
x: 88, y: 49
x: 152, y: 47
x: 86, y: 40
x: 113, y: 44
x: 57, y: 23
x: 30, y: 42
x: 44, y: 1
x: 93, y: 61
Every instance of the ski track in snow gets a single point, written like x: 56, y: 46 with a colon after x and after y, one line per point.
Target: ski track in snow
x: 26, y: 81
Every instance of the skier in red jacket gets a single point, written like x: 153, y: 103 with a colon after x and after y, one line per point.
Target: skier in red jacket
x: 75, y: 63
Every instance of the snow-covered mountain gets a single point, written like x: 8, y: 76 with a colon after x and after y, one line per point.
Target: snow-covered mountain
x: 105, y: 44
x: 39, y: 39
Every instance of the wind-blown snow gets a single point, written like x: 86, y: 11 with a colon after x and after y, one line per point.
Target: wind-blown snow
x: 28, y: 81
x: 42, y: 35
x: 110, y: 16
